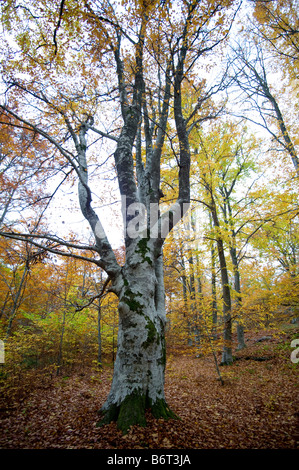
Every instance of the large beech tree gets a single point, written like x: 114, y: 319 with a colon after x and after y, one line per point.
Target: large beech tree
x: 115, y: 72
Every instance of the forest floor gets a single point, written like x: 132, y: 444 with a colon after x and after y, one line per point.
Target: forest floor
x: 256, y: 408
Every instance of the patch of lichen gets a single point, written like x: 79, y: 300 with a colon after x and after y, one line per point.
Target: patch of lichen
x: 152, y: 334
x: 160, y: 409
x: 109, y: 415
x: 143, y: 249
x: 130, y: 299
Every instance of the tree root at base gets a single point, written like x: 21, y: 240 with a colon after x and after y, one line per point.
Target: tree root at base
x: 132, y: 412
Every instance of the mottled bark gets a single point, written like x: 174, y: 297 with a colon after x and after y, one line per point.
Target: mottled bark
x: 17, y: 299
x: 138, y: 379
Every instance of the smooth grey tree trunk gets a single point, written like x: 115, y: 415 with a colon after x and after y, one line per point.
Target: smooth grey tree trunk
x: 240, y: 336
x: 227, y: 357
x: 138, y: 379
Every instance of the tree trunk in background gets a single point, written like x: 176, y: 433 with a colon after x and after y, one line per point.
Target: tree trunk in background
x: 17, y: 299
x: 227, y: 357
x: 59, y: 357
x: 194, y: 303
x: 185, y: 297
x: 237, y: 287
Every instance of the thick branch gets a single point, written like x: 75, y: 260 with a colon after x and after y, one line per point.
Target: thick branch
x: 98, y: 296
x: 79, y: 163
x: 153, y: 166
x: 30, y: 239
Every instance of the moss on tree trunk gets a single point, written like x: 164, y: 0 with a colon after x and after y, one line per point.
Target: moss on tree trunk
x: 138, y: 378
x: 160, y: 409
x: 132, y: 412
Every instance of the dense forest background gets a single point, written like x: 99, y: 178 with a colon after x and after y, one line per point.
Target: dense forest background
x: 231, y: 265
